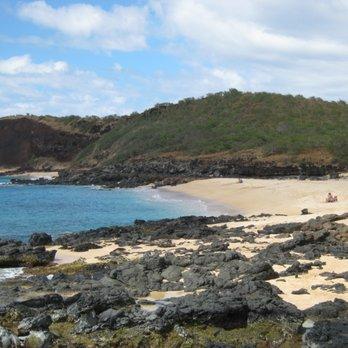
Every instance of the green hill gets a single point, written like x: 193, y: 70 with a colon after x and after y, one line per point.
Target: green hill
x: 269, y: 126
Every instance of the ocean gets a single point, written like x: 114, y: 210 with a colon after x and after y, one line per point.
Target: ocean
x: 58, y: 209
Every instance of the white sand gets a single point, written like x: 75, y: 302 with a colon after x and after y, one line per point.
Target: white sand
x: 64, y: 256
x: 313, y: 277
x: 36, y: 175
x: 274, y: 196
x: 7, y: 169
x: 252, y: 197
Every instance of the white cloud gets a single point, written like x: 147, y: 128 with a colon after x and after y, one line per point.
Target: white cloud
x: 288, y: 46
x: 242, y: 29
x: 24, y: 64
x: 196, y: 81
x: 227, y: 78
x: 121, y: 28
x: 117, y: 67
x: 50, y: 88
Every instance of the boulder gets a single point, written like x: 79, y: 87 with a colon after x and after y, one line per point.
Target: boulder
x: 99, y: 300
x: 301, y: 291
x: 86, y: 246
x: 39, y: 339
x: 40, y: 239
x: 327, y: 333
x: 327, y: 310
x: 18, y: 254
x: 172, y: 273
x: 86, y: 322
x: 8, y: 339
x: 40, y: 322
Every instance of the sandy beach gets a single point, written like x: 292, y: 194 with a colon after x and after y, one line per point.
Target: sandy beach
x: 283, y: 198
x: 4, y: 170
x: 273, y: 196
x: 36, y: 175
x: 286, y: 197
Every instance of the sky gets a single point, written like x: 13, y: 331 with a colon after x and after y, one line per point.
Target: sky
x: 105, y: 57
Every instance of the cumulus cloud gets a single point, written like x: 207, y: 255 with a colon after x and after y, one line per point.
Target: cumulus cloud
x: 23, y: 64
x: 122, y: 28
x: 52, y: 88
x: 288, y: 46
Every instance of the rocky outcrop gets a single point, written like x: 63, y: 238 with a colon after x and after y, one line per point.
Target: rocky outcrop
x: 24, y: 139
x: 40, y: 239
x: 222, y: 289
x: 166, y: 171
x: 19, y: 254
x: 8, y: 339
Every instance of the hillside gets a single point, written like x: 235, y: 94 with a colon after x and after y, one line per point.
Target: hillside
x: 46, y: 142
x: 265, y: 128
x: 231, y: 124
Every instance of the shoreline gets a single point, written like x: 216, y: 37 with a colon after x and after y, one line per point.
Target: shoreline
x: 271, y: 196
x: 50, y: 175
x: 213, y: 207
x: 228, y: 191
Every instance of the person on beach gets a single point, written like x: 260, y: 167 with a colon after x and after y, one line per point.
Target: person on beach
x: 330, y: 198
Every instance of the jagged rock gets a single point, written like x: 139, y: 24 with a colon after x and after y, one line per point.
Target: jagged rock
x: 40, y: 239
x: 281, y: 228
x: 172, y: 273
x: 327, y: 310
x: 194, y: 280
x: 99, y: 301
x: 246, y: 302
x: 50, y: 300
x: 189, y: 227
x: 165, y: 243
x: 86, y: 322
x: 40, y: 322
x: 296, y: 268
x: 39, y: 339
x: 333, y: 275
x: 18, y: 254
x: 301, y: 291
x: 8, y: 339
x: 170, y: 171
x: 86, y: 246
x: 338, y: 288
x: 327, y: 333
x: 59, y: 315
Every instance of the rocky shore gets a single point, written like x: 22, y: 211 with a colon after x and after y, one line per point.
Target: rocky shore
x: 167, y: 171
x: 179, y: 283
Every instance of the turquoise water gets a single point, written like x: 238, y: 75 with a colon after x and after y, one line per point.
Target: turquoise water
x: 25, y: 209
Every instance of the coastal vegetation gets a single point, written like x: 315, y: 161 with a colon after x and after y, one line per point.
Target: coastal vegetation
x: 232, y: 124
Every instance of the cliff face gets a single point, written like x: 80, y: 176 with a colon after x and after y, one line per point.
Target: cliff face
x: 23, y: 140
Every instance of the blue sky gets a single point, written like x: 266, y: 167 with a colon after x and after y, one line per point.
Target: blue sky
x: 115, y: 57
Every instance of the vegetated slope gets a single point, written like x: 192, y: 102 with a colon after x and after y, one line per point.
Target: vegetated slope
x: 92, y: 125
x: 45, y: 142
x: 233, y: 123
